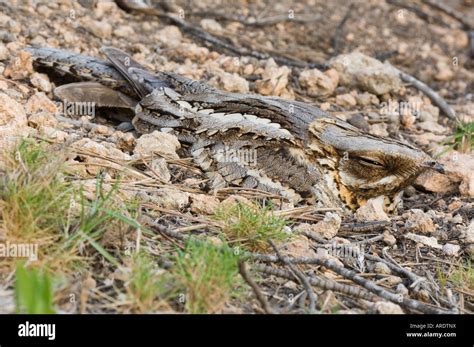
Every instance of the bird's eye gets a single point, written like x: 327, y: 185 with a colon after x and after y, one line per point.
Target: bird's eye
x: 367, y: 161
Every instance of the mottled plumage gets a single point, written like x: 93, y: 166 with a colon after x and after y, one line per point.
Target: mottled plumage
x: 282, y: 146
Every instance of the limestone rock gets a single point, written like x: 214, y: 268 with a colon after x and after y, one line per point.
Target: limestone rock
x: 346, y: 100
x: 100, y: 150
x: 101, y: 29
x: 13, y: 124
x: 451, y: 250
x: 41, y: 81
x: 204, y: 204
x: 211, y: 25
x: 274, y: 79
x: 300, y: 247
x: 424, y: 240
x: 387, y: 307
x: 358, y: 70
x: 419, y: 221
x: 467, y: 235
x: 40, y: 102
x: 373, y: 210
x: 156, y: 142
x: 20, y: 67
x: 458, y: 177
x: 319, y: 83
x: 327, y: 228
x: 232, y: 82
x: 169, y: 198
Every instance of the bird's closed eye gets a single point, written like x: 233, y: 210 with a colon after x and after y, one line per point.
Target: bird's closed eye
x: 367, y: 161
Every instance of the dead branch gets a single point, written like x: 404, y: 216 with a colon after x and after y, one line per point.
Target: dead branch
x: 258, y: 293
x: 300, y: 275
x: 369, y: 285
x: 259, y: 22
x: 337, y: 34
x: 168, y: 232
x: 414, y: 278
x: 367, y: 241
x: 450, y: 12
x: 325, y: 284
x: 415, y: 9
x: 430, y: 93
x: 365, y: 227
x: 471, y: 44
x: 219, y: 44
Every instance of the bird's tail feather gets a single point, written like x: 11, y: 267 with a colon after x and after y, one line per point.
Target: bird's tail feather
x: 131, y: 70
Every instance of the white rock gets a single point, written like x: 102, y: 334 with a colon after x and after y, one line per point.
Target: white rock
x: 40, y: 102
x: 359, y: 70
x: 389, y: 239
x: 20, y: 66
x: 319, y: 83
x: 424, y: 240
x: 156, y: 143
x: 53, y: 133
x: 160, y: 168
x: 124, y: 31
x: 232, y: 82
x: 4, y: 53
x: 170, y: 198
x: 467, y: 234
x: 402, y: 290
x: 211, y: 25
x: 432, y: 126
x: 419, y: 221
x: 366, y: 99
x: 204, y: 204
x: 379, y: 129
x: 299, y: 247
x: 170, y: 36
x: 451, y: 250
x: 234, y: 199
x: 42, y: 119
x: 382, y: 268
x: 458, y: 177
x: 373, y: 210
x: 386, y: 307
x: 101, y: 29
x: 327, y: 228
x: 99, y: 151
x: 7, y: 301
x: 346, y: 100
x: 274, y: 79
x: 41, y: 81
x: 13, y: 124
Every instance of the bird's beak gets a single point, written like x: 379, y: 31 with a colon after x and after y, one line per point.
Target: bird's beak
x: 434, y: 165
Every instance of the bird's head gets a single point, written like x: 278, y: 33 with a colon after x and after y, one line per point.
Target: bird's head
x: 364, y: 165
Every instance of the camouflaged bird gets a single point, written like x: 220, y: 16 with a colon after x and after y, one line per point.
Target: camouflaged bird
x: 297, y: 150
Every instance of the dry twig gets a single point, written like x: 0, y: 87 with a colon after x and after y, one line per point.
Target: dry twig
x: 369, y: 285
x: 325, y: 284
x: 258, y: 293
x: 430, y: 93
x: 300, y: 275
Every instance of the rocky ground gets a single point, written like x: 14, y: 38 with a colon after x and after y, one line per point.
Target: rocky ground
x: 124, y: 224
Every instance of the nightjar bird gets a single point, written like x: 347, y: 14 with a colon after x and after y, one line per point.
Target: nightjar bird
x: 286, y: 147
